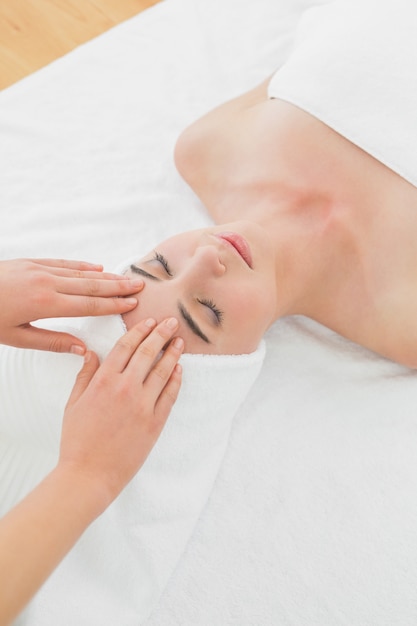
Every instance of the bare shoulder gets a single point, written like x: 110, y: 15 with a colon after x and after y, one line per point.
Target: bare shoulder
x: 205, y: 152
x: 253, y: 147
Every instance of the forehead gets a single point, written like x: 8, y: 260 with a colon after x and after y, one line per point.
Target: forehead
x: 162, y: 299
x: 175, y: 243
x: 183, y: 238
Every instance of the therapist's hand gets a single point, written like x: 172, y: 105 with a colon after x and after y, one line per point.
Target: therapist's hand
x: 113, y: 418
x: 33, y: 289
x: 117, y: 410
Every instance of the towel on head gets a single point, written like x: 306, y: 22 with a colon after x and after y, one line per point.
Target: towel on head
x: 122, y: 563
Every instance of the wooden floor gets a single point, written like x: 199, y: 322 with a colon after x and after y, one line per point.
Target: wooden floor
x: 35, y: 32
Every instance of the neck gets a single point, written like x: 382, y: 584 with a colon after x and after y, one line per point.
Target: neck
x: 314, y: 255
x: 317, y: 238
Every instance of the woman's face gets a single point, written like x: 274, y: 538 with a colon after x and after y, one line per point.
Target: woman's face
x: 219, y: 282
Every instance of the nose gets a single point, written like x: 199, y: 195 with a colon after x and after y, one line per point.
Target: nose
x: 206, y: 262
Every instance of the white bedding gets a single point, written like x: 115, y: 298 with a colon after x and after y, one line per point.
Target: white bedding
x: 313, y: 516
x: 119, y: 568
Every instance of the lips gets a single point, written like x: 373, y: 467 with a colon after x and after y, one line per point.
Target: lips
x: 239, y: 243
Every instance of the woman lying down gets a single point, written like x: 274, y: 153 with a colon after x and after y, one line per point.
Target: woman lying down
x: 310, y: 178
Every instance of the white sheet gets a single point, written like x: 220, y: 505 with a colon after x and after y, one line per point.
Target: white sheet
x: 313, y: 517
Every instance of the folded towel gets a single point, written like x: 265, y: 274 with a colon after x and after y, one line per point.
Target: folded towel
x: 353, y: 67
x: 122, y: 563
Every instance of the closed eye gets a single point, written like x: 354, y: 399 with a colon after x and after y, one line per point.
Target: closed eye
x: 218, y: 314
x: 212, y: 306
x: 162, y: 260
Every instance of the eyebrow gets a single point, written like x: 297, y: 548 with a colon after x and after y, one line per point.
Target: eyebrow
x: 191, y: 323
x: 139, y: 270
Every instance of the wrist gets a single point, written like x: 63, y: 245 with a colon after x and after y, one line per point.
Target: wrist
x: 86, y: 492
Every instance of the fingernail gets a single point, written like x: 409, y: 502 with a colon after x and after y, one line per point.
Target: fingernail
x: 131, y: 301
x: 87, y: 357
x: 150, y: 322
x: 137, y: 282
x: 76, y: 349
x: 178, y: 343
x: 172, y: 323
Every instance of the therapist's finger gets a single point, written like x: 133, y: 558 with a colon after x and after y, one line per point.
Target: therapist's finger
x: 138, y: 349
x: 92, y: 285
x: 162, y: 369
x: 84, y: 377
x: 64, y: 272
x: 86, y: 306
x: 125, y: 347
x: 144, y: 357
x: 69, y: 264
x: 42, y: 339
x: 168, y: 397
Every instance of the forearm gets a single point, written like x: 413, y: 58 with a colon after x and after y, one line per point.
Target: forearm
x: 112, y: 420
x: 37, y: 534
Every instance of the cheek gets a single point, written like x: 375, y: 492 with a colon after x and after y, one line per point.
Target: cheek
x: 251, y: 303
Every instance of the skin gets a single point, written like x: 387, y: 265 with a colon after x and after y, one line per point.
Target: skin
x: 341, y: 224
x: 57, y: 288
x: 206, y: 275
x: 112, y: 420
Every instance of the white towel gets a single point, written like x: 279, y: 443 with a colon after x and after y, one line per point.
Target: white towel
x: 120, y: 567
x: 353, y: 66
